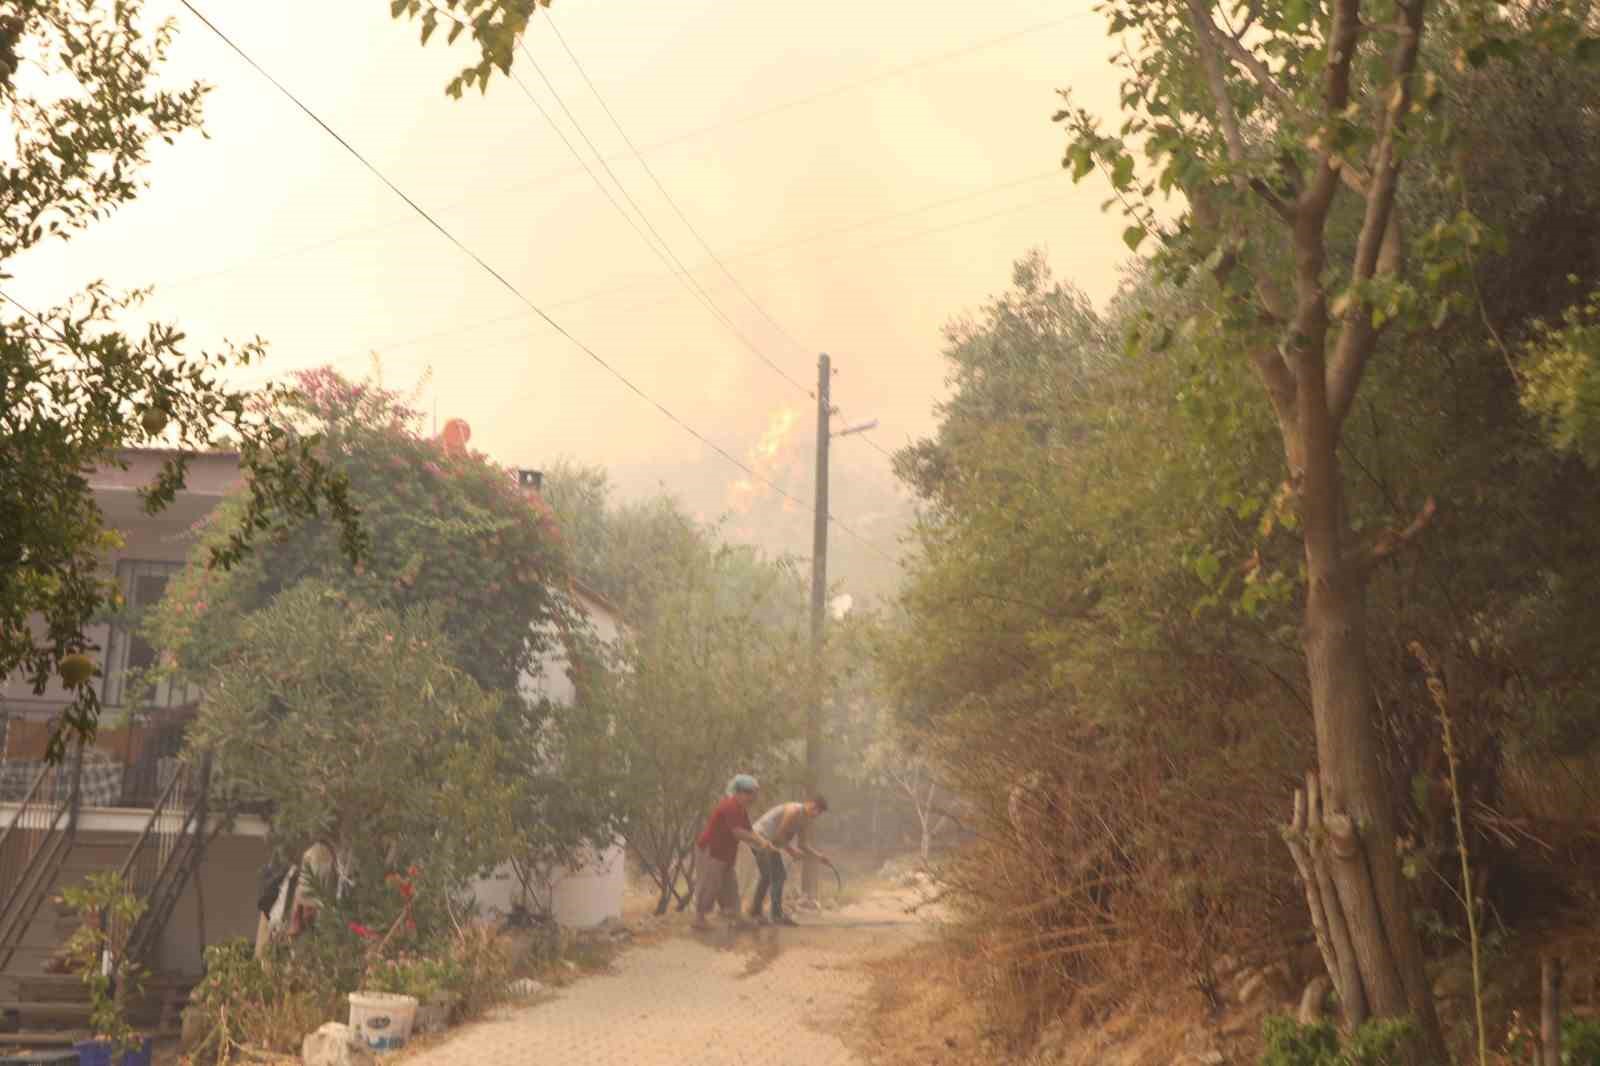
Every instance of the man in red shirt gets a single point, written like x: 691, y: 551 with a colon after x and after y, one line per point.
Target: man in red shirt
x: 719, y: 848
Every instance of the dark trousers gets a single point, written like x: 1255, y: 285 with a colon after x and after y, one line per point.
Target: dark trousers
x: 773, y: 875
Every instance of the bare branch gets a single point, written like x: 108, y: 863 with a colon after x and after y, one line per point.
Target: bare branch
x: 1379, y: 240
x: 1392, y: 541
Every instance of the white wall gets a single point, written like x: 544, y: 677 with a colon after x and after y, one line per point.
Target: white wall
x: 228, y: 883
x: 590, y: 892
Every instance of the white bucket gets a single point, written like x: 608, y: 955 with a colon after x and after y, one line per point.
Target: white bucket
x: 381, y: 1019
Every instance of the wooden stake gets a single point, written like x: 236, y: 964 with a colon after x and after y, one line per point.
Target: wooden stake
x: 1550, y: 1012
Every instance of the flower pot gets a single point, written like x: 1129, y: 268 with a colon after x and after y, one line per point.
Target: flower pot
x: 382, y: 1020
x: 104, y: 1053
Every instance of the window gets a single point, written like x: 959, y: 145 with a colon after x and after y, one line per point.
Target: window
x: 143, y: 584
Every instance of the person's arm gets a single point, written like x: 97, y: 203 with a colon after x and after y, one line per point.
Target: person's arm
x: 754, y: 839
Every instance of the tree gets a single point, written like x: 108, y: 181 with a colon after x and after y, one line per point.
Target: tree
x: 355, y: 725
x: 75, y: 386
x: 446, y: 528
x: 1293, y: 128
x: 452, y: 534
x: 706, y: 679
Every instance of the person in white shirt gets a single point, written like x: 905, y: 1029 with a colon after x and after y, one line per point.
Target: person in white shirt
x: 782, y: 826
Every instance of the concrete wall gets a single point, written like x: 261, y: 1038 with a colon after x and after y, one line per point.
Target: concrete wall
x: 590, y: 892
x: 228, y: 883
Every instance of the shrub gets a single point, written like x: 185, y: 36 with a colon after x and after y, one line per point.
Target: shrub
x: 242, y: 1006
x: 1288, y: 1043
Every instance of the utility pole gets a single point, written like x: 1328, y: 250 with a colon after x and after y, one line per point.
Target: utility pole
x: 819, y: 607
x: 819, y: 596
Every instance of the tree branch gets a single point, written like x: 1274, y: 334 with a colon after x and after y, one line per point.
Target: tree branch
x: 1205, y: 35
x: 1379, y: 240
x: 1343, y: 37
x: 1393, y: 540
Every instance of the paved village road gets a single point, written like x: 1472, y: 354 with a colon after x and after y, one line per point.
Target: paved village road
x: 774, y: 997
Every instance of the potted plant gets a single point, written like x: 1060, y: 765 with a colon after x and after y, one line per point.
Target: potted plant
x: 107, y: 911
x: 428, y: 981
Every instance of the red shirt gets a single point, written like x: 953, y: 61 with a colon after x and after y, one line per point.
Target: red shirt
x: 718, y: 838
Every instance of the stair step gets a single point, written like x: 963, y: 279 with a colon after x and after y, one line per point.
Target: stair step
x: 47, y: 1038
x: 66, y: 1037
x: 56, y: 1011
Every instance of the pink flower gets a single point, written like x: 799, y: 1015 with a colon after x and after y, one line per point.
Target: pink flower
x: 362, y: 931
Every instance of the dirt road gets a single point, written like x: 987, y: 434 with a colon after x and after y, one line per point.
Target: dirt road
x: 777, y: 997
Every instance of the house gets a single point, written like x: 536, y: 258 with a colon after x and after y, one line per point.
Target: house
x: 126, y: 802
x: 123, y: 802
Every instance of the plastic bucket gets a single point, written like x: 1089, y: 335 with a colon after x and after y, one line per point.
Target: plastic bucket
x: 382, y: 1020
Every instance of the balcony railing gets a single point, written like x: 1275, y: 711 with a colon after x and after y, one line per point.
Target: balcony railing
x: 129, y: 766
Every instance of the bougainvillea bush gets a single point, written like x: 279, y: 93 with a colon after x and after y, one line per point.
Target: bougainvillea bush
x: 446, y: 528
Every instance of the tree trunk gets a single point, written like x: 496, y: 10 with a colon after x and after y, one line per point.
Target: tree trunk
x: 1550, y: 1013
x: 1376, y: 963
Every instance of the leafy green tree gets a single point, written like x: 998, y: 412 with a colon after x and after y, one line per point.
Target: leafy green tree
x: 706, y: 678
x: 446, y: 529
x: 358, y: 729
x: 1294, y: 128
x: 449, y: 533
x: 83, y: 85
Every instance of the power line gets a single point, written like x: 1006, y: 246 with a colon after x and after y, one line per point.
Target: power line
x: 681, y: 271
x: 674, y: 139
x: 407, y: 341
x: 665, y: 195
x: 509, y: 287
x: 671, y: 202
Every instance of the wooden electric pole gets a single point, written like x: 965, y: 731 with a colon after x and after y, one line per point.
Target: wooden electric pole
x: 819, y: 596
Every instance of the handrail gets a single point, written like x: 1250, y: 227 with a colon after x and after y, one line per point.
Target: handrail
x: 156, y: 813
x: 33, y: 790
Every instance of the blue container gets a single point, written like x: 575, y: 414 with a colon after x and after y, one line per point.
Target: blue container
x: 103, y: 1053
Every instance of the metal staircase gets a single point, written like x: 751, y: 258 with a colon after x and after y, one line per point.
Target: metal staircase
x: 168, y: 853
x: 33, y: 848
x: 34, y: 851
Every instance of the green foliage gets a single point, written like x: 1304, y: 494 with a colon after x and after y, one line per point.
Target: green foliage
x: 354, y: 725
x: 495, y: 27
x: 78, y: 384
x: 1560, y: 379
x: 709, y: 674
x: 107, y: 911
x: 450, y: 531
x: 1376, y: 1043
x: 241, y: 1005
x: 456, y: 549
x: 1580, y: 1041
x: 427, y: 979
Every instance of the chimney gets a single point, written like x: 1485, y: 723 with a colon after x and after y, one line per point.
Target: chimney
x: 530, y: 479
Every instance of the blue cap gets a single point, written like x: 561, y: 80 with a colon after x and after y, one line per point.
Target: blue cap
x: 743, y: 783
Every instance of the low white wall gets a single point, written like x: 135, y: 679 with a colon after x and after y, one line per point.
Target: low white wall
x: 580, y: 897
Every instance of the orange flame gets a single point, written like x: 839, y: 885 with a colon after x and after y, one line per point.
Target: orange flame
x: 769, y: 458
